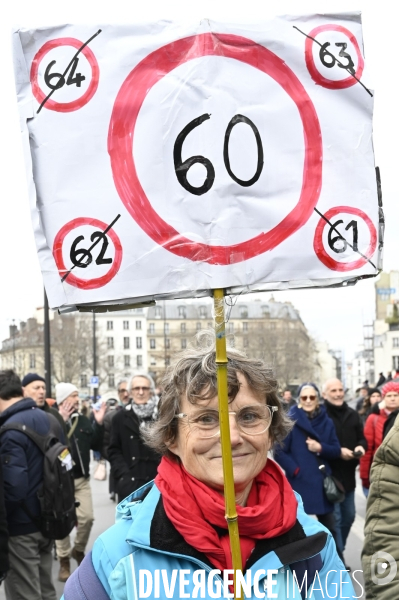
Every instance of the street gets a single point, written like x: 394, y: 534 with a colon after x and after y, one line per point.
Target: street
x: 104, y: 510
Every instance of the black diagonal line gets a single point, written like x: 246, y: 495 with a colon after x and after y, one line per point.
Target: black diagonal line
x: 345, y: 240
x: 79, y: 263
x: 335, y: 58
x: 67, y: 69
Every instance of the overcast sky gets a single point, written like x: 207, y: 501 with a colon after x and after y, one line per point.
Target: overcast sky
x: 335, y: 315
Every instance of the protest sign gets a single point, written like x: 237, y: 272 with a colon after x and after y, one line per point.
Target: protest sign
x: 165, y: 160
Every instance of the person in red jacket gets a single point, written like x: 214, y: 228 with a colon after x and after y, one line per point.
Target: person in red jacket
x: 374, y: 429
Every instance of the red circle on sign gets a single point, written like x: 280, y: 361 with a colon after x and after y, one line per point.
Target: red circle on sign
x: 79, y: 102
x: 86, y: 284
x: 122, y: 127
x: 325, y: 258
x: 315, y: 73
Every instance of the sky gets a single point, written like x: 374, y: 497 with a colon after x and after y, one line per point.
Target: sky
x: 334, y: 315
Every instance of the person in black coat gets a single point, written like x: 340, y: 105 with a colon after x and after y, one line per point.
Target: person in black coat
x: 132, y: 463
x: 349, y: 430
x: 4, y: 563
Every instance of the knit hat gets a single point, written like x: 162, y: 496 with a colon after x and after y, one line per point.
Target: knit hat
x: 31, y: 377
x: 372, y: 391
x: 391, y: 386
x: 63, y: 390
x: 308, y: 384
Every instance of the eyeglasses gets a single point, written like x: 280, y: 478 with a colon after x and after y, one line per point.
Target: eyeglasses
x: 122, y: 391
x: 311, y: 398
x: 138, y: 388
x: 251, y: 420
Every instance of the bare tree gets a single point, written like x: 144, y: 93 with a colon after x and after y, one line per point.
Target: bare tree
x: 285, y: 346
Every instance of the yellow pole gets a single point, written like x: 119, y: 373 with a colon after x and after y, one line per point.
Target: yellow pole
x: 228, y: 476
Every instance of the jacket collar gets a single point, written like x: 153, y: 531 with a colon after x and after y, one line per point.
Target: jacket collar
x: 302, y: 421
x: 152, y: 529
x: 23, y: 404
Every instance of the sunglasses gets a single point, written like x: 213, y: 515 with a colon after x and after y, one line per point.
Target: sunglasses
x: 312, y: 398
x: 137, y: 389
x: 122, y: 391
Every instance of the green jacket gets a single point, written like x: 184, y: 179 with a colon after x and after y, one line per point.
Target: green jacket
x: 382, y: 522
x: 85, y: 437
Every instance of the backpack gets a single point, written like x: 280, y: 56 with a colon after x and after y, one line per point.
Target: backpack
x: 57, y: 492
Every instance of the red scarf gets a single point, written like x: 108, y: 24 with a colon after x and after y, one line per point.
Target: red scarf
x: 193, y: 507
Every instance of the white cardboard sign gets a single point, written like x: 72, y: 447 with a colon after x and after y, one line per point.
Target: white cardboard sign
x: 165, y: 160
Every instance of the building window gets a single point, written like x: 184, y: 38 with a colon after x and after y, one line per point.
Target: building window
x: 83, y: 362
x: 202, y: 312
x: 166, y: 327
x: 139, y: 342
x: 158, y: 312
x: 153, y: 361
x: 182, y: 327
x: 110, y: 342
x: 110, y: 325
x: 126, y: 360
x: 139, y: 360
x: 167, y: 343
x: 138, y: 324
x: 183, y: 343
x: 83, y: 380
x: 182, y: 312
x: 32, y: 361
x: 167, y: 361
x: 126, y: 343
x: 152, y: 344
x: 243, y: 312
x: 151, y: 328
x: 111, y: 361
x: 125, y: 324
x: 198, y: 326
x: 395, y: 362
x: 395, y: 342
x: 210, y: 325
x: 245, y: 327
x: 231, y: 328
x: 245, y: 342
x: 111, y: 380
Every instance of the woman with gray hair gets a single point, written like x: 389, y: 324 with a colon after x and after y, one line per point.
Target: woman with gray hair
x: 132, y: 462
x: 176, y: 525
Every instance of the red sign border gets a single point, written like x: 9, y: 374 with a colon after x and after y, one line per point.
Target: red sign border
x: 325, y: 258
x: 315, y: 73
x: 86, y: 284
x: 122, y: 127
x: 74, y: 104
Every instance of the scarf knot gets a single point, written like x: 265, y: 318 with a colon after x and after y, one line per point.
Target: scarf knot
x: 198, y: 511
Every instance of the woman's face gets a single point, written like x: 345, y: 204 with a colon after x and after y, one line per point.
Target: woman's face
x: 202, y: 457
x: 374, y: 398
x: 308, y: 398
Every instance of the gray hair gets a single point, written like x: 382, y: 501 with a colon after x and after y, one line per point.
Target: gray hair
x: 193, y: 375
x: 148, y: 377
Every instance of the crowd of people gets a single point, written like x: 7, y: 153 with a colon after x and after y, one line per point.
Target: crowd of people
x: 287, y: 453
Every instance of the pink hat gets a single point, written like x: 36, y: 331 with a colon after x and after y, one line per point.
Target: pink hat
x: 391, y: 386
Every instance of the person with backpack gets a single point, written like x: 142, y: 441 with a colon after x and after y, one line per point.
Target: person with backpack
x: 83, y: 437
x: 30, y: 552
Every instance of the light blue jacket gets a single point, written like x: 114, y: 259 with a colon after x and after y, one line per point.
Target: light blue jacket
x: 143, y: 543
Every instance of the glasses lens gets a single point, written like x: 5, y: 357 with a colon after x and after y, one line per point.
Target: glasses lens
x: 251, y: 420
x: 310, y: 398
x: 137, y: 389
x: 122, y: 391
x: 254, y: 420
